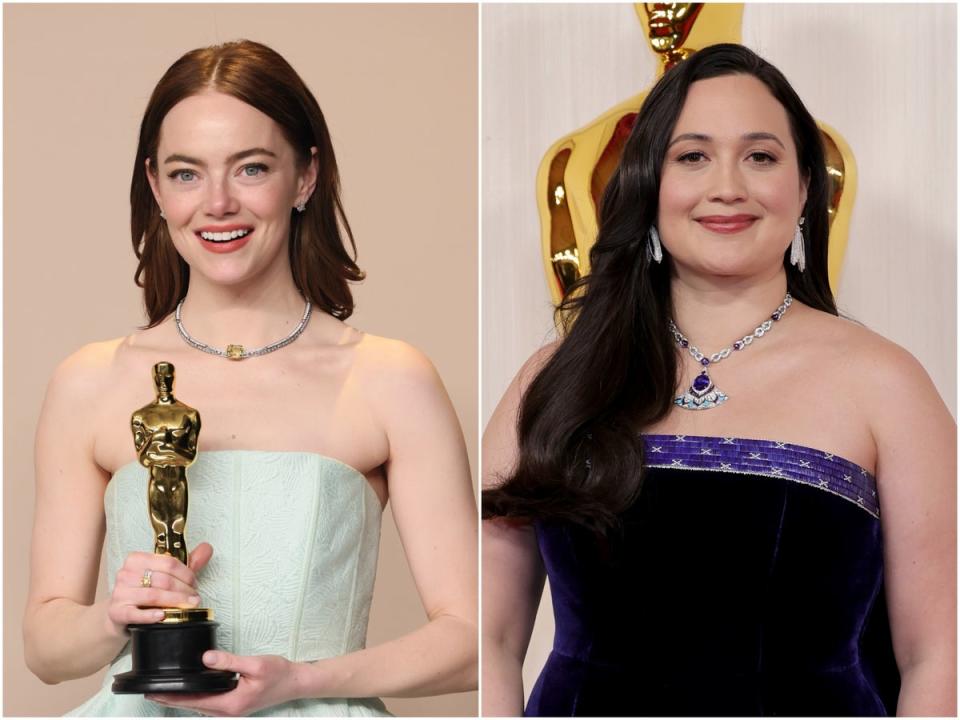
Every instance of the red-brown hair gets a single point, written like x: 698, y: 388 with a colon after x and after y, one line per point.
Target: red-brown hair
x: 260, y: 77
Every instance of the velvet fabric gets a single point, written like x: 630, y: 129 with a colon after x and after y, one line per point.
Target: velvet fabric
x: 756, y: 589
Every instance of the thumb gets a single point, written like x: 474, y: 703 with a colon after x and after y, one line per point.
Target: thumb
x: 221, y: 660
x: 200, y: 557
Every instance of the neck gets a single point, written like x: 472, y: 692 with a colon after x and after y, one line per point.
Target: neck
x: 712, y: 315
x: 252, y: 316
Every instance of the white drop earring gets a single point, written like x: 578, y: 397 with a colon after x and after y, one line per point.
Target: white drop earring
x: 797, y: 253
x: 654, y: 250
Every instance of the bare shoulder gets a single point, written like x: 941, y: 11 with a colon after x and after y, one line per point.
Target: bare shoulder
x: 879, y: 363
x: 74, y: 403
x: 535, y: 363
x: 385, y: 361
x: 99, y: 370
x: 395, y: 377
x: 406, y: 398
x: 85, y: 371
x: 888, y: 382
x: 532, y: 366
x: 527, y: 373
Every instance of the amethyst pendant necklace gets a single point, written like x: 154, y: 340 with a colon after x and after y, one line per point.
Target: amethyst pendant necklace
x: 703, y: 394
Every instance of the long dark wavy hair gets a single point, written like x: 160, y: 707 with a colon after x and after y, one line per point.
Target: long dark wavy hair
x: 616, y: 369
x: 260, y: 77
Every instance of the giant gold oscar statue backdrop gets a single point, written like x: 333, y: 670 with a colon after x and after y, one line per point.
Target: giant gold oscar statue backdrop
x: 575, y: 170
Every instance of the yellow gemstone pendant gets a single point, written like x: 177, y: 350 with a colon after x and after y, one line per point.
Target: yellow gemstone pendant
x: 235, y: 352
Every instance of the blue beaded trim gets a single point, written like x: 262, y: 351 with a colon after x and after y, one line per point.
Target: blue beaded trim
x: 816, y: 468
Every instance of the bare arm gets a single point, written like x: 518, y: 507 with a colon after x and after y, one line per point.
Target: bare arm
x: 513, y: 578
x: 513, y: 573
x: 916, y: 474
x: 436, y: 515
x: 67, y: 635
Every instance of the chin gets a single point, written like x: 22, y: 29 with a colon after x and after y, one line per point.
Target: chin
x: 728, y: 268
x: 226, y: 276
x: 231, y: 269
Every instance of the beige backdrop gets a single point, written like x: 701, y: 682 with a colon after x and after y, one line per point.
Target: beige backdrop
x: 883, y: 75
x: 398, y: 86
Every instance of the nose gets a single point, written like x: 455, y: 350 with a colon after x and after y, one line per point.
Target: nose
x: 220, y: 200
x: 727, y: 183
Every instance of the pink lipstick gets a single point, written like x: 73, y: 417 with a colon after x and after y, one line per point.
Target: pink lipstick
x: 727, y: 224
x: 224, y: 238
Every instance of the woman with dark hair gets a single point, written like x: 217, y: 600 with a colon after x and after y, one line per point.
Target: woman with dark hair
x: 725, y: 530
x: 241, y: 237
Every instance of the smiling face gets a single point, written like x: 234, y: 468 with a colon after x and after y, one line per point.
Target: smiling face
x: 731, y: 192
x: 227, y: 180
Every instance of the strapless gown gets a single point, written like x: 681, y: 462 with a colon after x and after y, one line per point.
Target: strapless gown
x: 295, y: 540
x: 747, y: 580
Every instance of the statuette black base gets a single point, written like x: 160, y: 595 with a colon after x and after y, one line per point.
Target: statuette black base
x: 168, y: 658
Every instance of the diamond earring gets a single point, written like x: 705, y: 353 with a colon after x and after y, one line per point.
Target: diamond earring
x: 162, y: 215
x: 301, y: 206
x: 797, y: 253
x: 654, y: 250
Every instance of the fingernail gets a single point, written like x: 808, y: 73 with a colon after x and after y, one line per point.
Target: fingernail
x: 210, y: 658
x: 159, y: 615
x: 194, y: 599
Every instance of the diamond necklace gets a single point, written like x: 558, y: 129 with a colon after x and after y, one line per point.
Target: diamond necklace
x: 703, y: 394
x: 238, y: 352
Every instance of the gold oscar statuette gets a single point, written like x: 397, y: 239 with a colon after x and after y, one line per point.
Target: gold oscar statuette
x: 167, y: 656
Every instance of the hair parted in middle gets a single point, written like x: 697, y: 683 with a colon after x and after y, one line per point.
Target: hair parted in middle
x: 615, y: 371
x: 262, y: 78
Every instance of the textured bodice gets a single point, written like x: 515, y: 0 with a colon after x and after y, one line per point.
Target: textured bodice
x: 295, y: 540
x: 746, y: 580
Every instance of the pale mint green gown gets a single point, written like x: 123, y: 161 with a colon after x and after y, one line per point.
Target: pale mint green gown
x: 295, y: 538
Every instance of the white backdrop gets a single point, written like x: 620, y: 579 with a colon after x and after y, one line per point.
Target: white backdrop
x: 883, y: 75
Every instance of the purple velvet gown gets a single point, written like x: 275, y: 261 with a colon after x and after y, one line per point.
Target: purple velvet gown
x: 747, y: 580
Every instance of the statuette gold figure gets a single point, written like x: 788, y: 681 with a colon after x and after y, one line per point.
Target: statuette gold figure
x: 668, y: 26
x: 165, y: 434
x: 167, y: 656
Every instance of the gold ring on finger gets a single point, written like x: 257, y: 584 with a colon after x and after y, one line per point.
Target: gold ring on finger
x: 147, y: 579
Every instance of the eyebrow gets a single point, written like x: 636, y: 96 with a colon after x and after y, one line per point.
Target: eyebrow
x: 706, y: 138
x: 177, y: 157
